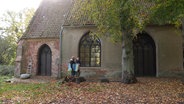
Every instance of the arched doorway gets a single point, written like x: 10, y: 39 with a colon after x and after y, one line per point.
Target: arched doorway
x: 144, y: 55
x: 45, y: 59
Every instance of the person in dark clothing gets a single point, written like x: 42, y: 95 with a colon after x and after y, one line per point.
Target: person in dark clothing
x: 78, y: 66
x: 72, y: 65
x: 77, y: 60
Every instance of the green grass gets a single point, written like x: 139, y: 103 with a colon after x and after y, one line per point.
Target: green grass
x: 23, y: 90
x: 148, y: 90
x: 21, y: 87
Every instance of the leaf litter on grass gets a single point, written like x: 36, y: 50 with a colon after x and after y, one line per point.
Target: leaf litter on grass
x: 147, y: 90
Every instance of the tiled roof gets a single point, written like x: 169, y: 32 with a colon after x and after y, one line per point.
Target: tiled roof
x: 52, y: 14
x: 48, y: 19
x: 76, y: 18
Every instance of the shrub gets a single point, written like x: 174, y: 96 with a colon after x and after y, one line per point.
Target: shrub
x: 6, y: 70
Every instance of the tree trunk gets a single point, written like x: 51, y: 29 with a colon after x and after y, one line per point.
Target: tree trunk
x: 183, y: 35
x: 128, y: 76
x: 183, y: 29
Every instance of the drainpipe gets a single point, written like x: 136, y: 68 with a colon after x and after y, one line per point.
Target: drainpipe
x: 60, y: 38
x: 60, y: 50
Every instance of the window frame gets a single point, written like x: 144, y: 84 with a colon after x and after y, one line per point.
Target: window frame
x: 92, y: 38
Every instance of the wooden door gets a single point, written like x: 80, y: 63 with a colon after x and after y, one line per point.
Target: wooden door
x: 144, y: 55
x: 45, y: 58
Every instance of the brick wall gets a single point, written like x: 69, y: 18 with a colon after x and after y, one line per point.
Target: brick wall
x: 31, y: 52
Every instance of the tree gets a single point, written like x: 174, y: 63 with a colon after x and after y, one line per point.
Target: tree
x: 3, y: 48
x: 169, y: 12
x: 122, y: 20
x: 13, y: 25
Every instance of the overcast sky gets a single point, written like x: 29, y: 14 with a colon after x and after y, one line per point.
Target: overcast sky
x: 17, y: 5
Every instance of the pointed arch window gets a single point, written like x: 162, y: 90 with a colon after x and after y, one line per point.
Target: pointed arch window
x: 90, y: 51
